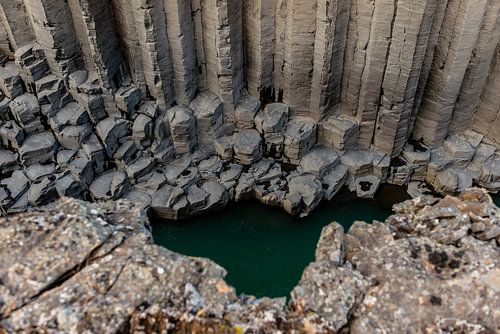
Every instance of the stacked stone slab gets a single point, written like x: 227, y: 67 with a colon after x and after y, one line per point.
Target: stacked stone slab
x: 245, y: 112
x: 300, y: 137
x: 247, y: 146
x: 341, y: 132
x: 457, y: 40
x: 85, y: 89
x: 258, y: 38
x: 11, y: 83
x: 183, y: 129
x: 332, y: 20
x: 54, y: 31
x: 209, y: 113
x: 31, y: 59
x: 410, y: 34
x: 478, y: 69
x: 271, y: 123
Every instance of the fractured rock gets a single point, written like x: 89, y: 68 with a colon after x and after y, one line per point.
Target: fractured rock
x: 39, y: 147
x: 10, y: 81
x: 304, y: 194
x: 334, y: 181
x: 300, y: 137
x: 183, y: 129
x: 247, y: 145
x: 319, y: 161
x: 245, y: 112
x: 111, y: 130
x: 110, y: 185
x: 209, y: 113
x: 340, y: 132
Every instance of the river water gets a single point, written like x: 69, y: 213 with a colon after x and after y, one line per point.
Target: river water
x: 263, y: 249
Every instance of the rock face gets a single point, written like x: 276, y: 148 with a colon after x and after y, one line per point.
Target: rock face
x: 81, y: 267
x: 134, y: 86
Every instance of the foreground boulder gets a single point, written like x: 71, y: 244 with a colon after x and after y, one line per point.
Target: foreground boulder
x: 433, y: 267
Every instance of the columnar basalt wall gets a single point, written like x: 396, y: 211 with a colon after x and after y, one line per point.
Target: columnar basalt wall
x: 184, y: 105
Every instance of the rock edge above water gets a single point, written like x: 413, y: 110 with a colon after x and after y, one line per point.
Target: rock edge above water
x: 432, y: 267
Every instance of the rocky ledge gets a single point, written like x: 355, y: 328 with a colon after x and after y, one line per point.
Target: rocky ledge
x: 432, y: 267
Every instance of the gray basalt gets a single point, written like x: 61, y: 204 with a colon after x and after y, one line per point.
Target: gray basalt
x: 405, y: 92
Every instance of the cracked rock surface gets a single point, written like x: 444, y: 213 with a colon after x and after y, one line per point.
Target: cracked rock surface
x: 76, y: 268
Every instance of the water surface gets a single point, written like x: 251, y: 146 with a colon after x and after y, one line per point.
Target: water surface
x: 263, y: 249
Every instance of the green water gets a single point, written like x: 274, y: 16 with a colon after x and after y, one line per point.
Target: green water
x: 263, y: 249
x: 496, y: 199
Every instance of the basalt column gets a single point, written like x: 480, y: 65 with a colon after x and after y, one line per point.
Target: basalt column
x: 222, y: 46
x: 279, y: 47
x: 54, y: 31
x: 457, y: 40
x: 411, y: 29
x: 15, y: 22
x: 331, y: 32
x: 125, y: 24
x: 151, y: 29
x: 369, y: 33
x: 182, y: 47
x: 432, y: 42
x: 5, y: 48
x: 477, y: 72
x: 198, y: 40
x: 258, y: 36
x: 101, y: 41
x: 487, y: 118
x: 299, y: 55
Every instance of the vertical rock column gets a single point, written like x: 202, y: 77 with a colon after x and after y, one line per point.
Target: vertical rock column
x: 487, y: 117
x: 54, y: 31
x: 477, y: 71
x: 16, y: 23
x: 101, y: 40
x: 299, y: 55
x: 198, y: 39
x: 279, y: 47
x: 457, y: 40
x: 151, y: 30
x: 5, y: 48
x: 258, y: 36
x: 221, y: 25
x: 374, y: 68
x: 331, y: 33
x: 358, y: 35
x: 432, y: 42
x: 180, y: 34
x: 129, y: 39
x: 411, y: 29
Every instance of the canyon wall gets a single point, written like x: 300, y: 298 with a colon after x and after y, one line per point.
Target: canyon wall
x: 397, y: 84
